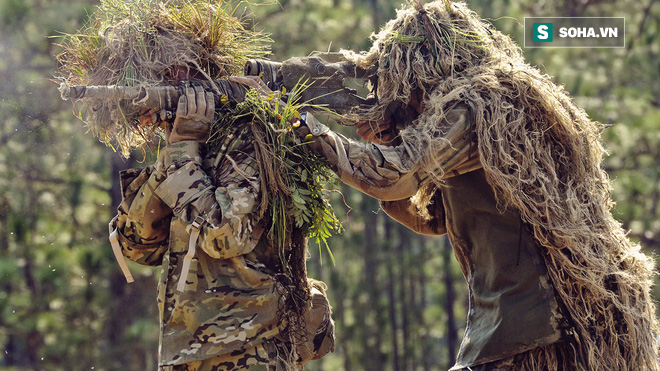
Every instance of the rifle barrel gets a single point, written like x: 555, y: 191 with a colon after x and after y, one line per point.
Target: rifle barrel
x: 104, y: 92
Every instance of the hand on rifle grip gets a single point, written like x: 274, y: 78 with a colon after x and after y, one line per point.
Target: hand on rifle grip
x: 380, y: 132
x: 253, y: 82
x: 194, y: 116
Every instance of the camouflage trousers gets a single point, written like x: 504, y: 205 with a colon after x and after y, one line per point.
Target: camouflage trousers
x: 253, y: 359
x: 271, y: 355
x: 264, y: 357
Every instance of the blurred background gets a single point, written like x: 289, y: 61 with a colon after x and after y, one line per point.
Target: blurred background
x: 399, y: 298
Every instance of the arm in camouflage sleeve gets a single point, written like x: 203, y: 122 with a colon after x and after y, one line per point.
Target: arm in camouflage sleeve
x: 383, y: 172
x: 225, y: 214
x: 177, y: 186
x: 391, y: 173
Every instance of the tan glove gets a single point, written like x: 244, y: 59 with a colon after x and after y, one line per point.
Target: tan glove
x: 376, y: 132
x: 194, y: 116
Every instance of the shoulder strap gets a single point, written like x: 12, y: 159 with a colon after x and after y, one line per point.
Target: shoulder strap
x: 192, y: 243
x: 116, y: 249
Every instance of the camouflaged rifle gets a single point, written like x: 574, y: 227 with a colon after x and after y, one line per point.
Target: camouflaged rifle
x: 161, y: 99
x: 323, y: 74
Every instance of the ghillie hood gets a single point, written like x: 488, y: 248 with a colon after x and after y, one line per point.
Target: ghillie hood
x: 541, y: 155
x: 147, y: 43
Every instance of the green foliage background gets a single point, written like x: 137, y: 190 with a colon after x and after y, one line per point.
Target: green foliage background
x: 399, y: 298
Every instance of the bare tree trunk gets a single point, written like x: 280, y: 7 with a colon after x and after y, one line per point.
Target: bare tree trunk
x: 415, y: 315
x: 10, y: 356
x: 371, y: 267
x: 426, y: 356
x: 344, y: 337
x: 391, y: 292
x: 25, y: 245
x: 403, y: 260
x: 452, y: 337
x: 120, y: 311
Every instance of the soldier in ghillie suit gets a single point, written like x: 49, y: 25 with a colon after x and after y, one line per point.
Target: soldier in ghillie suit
x: 214, y: 213
x: 472, y: 141
x: 226, y: 298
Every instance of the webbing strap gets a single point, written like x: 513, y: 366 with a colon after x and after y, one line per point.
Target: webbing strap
x: 192, y: 243
x: 116, y: 249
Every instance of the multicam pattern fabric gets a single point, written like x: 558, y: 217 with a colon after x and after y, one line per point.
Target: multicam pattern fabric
x: 228, y: 308
x: 254, y: 359
x: 508, y: 283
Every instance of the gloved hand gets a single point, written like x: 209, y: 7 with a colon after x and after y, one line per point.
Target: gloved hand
x: 194, y: 116
x: 376, y: 132
x: 313, y: 133
x: 254, y: 82
x: 386, y: 132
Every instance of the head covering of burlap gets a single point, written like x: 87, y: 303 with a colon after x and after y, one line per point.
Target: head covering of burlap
x: 542, y: 156
x: 148, y: 43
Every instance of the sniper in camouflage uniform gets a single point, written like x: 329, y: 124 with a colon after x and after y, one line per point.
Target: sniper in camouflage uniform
x: 233, y: 290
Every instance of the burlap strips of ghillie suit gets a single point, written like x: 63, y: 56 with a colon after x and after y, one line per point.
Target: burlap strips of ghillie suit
x: 542, y: 155
x: 151, y: 43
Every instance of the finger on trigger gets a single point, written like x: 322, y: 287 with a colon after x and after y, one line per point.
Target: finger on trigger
x: 384, y: 125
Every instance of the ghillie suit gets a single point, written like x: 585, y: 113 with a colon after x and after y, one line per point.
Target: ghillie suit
x: 154, y: 43
x: 542, y: 156
x: 151, y: 43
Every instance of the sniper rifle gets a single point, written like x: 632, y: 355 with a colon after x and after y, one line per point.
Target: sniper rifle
x: 323, y: 74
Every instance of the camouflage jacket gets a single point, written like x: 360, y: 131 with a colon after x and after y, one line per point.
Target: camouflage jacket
x: 226, y: 305
x: 512, y: 306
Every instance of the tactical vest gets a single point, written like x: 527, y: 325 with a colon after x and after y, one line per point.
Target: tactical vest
x: 512, y: 305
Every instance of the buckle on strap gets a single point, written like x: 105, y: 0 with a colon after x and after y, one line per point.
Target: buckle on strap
x: 192, y: 244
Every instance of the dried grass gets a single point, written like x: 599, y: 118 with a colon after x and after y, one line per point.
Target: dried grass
x: 148, y: 43
x: 542, y: 156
